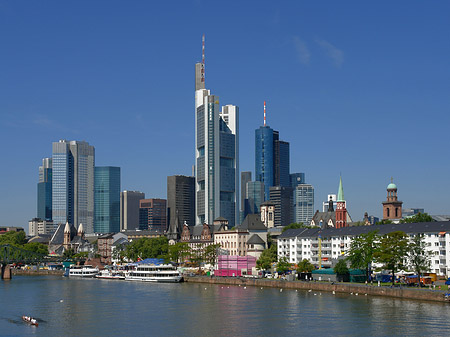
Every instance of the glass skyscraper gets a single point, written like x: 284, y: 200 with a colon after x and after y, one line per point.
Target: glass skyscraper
x: 73, y: 183
x: 107, y: 199
x: 44, y: 200
x: 304, y: 203
x: 255, y: 196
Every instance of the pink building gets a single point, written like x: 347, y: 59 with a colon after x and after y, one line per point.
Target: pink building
x: 231, y: 265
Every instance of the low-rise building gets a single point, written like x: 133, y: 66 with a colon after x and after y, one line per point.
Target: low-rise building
x: 105, y: 244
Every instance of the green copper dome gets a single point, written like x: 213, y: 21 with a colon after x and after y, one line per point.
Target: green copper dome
x: 392, y: 186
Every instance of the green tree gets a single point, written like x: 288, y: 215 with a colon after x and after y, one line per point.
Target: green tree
x: 418, y: 256
x: 12, y: 238
x: 393, y: 251
x: 36, y: 247
x: 341, y: 268
x: 179, y: 252
x: 305, y: 266
x: 210, y: 254
x: 362, y: 250
x: 81, y: 255
x: 147, y: 248
x: 268, y: 256
x: 358, y: 223
x: 419, y: 217
x: 68, y: 253
x: 294, y: 226
x: 384, y: 222
x: 283, y: 265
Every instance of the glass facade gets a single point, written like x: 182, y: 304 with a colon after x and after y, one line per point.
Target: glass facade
x: 304, y: 203
x: 264, y: 158
x: 255, y: 196
x: 44, y: 198
x: 107, y: 199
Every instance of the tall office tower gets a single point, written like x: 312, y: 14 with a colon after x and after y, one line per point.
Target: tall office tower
x: 107, y: 199
x: 153, y: 214
x: 129, y: 209
x: 271, y: 158
x: 255, y: 196
x: 296, y: 179
x: 216, y: 156
x: 180, y: 202
x: 246, y: 176
x: 304, y: 208
x: 44, y: 198
x: 73, y: 184
x: 282, y: 198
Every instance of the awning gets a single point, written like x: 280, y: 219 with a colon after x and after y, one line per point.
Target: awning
x: 441, y: 233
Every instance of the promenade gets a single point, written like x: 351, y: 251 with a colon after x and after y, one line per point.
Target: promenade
x: 342, y: 288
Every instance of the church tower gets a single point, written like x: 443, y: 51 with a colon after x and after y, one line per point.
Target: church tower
x: 66, y: 241
x: 341, y: 209
x: 392, y: 207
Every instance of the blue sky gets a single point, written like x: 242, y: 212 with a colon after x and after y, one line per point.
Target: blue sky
x: 357, y: 88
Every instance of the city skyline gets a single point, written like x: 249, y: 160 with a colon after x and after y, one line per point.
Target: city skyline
x: 348, y: 93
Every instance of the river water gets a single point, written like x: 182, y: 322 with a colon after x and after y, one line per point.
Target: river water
x: 90, y: 307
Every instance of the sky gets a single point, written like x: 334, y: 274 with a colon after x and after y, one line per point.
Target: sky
x: 358, y: 89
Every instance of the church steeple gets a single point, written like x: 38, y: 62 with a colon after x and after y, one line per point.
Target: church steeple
x: 341, y: 208
x: 340, y: 196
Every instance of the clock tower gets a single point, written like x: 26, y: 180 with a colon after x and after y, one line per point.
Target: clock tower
x: 341, y: 209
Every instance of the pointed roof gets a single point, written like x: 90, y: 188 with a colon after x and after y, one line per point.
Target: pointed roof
x: 80, y: 229
x: 340, y: 196
x: 67, y: 228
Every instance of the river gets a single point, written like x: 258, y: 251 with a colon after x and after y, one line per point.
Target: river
x: 90, y: 307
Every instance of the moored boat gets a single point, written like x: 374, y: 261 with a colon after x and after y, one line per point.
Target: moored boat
x: 154, y: 273
x: 110, y: 275
x: 83, y: 271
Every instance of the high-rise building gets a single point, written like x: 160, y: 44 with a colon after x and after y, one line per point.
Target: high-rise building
x: 297, y: 179
x: 107, y: 199
x: 129, y: 209
x: 271, y: 158
x: 180, y: 201
x: 255, y: 196
x: 73, y: 184
x: 44, y: 198
x: 153, y: 215
x: 216, y: 156
x: 304, y: 203
x: 282, y: 198
x: 246, y: 176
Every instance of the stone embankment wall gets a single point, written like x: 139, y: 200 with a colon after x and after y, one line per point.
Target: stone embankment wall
x: 36, y: 272
x: 404, y: 293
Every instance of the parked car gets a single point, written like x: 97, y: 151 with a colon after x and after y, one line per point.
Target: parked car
x: 448, y: 281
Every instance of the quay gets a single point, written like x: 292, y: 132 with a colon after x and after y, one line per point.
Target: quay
x: 342, y: 288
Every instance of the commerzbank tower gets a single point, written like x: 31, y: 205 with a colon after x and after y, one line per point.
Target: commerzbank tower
x: 216, y: 154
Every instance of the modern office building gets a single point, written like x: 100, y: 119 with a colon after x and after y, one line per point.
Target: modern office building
x: 304, y: 203
x: 255, y: 196
x: 216, y: 156
x: 44, y: 197
x: 271, y: 158
x: 180, y: 201
x: 38, y: 226
x: 246, y: 176
x: 73, y: 184
x: 129, y: 209
x: 297, y: 179
x: 281, y: 197
x: 107, y: 199
x: 153, y: 215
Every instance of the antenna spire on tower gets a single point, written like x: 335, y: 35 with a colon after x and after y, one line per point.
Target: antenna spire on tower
x: 264, y: 113
x: 203, y: 58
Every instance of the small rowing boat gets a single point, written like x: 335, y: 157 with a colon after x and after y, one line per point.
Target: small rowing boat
x: 30, y: 320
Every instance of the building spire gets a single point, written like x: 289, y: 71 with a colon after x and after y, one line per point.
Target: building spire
x: 203, y: 58
x: 264, y: 113
x: 340, y: 196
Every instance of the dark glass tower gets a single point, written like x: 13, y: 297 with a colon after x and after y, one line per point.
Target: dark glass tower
x: 264, y: 158
x: 44, y: 200
x: 107, y: 199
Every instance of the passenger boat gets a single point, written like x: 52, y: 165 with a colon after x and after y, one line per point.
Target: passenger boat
x: 30, y: 320
x: 83, y: 271
x: 110, y: 275
x: 154, y: 273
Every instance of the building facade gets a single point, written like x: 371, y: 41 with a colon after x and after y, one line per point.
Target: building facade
x: 44, y: 197
x: 246, y: 176
x: 255, y: 196
x: 392, y: 207
x: 180, y: 201
x: 281, y: 197
x: 216, y: 156
x: 38, y: 226
x: 73, y: 184
x: 107, y: 199
x: 129, y: 209
x: 153, y: 215
x: 304, y: 203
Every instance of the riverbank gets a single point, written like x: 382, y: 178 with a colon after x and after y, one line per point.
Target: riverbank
x: 31, y: 272
x: 343, y: 288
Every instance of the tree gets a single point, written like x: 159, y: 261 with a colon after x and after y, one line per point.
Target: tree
x: 268, y: 256
x: 179, y: 252
x: 362, y: 250
x: 294, y: 226
x: 283, y: 265
x: 305, y: 266
x: 12, y: 238
x: 210, y: 254
x: 341, y: 269
x: 419, y: 217
x: 384, y: 222
x: 418, y: 256
x: 393, y: 252
x: 147, y: 248
x: 358, y: 223
x: 68, y: 253
x: 36, y: 247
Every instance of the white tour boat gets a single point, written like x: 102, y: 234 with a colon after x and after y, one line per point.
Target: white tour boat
x: 83, y: 271
x: 110, y: 275
x: 154, y: 273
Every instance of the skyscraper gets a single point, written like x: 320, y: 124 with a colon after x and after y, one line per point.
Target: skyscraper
x: 153, y: 214
x: 107, y: 199
x: 271, y: 158
x: 246, y: 176
x: 255, y: 196
x: 216, y: 155
x: 180, y: 201
x: 73, y: 183
x: 44, y: 200
x: 304, y: 203
x: 129, y: 209
x: 282, y: 198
